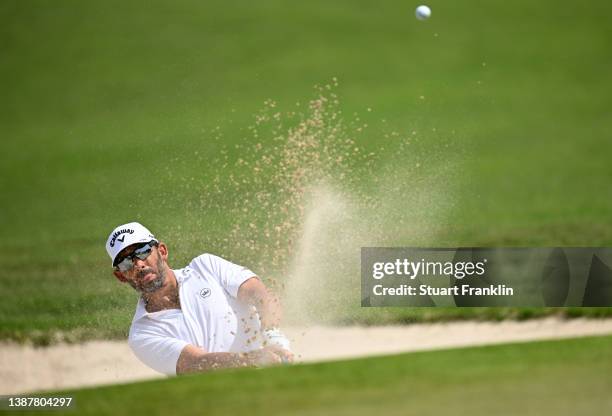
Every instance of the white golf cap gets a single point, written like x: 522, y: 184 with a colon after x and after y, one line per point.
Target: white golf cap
x: 125, y: 235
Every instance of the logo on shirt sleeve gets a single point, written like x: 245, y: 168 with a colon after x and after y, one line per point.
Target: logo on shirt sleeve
x: 204, y: 293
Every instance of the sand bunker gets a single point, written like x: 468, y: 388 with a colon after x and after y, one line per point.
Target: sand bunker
x: 26, y: 369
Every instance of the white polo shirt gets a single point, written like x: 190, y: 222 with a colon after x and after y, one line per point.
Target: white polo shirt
x: 210, y: 316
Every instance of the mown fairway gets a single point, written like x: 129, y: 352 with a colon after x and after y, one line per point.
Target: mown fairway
x: 105, y: 104
x: 567, y: 377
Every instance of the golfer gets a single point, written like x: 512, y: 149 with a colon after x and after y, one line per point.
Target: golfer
x: 210, y: 314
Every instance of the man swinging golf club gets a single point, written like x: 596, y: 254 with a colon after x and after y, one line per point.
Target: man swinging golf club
x: 210, y: 314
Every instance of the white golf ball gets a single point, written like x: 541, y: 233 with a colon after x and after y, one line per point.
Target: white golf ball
x: 422, y: 12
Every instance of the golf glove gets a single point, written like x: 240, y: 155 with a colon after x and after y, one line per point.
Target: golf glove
x: 274, y: 336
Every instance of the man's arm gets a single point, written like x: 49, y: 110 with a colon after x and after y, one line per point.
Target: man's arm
x: 194, y: 359
x: 254, y: 292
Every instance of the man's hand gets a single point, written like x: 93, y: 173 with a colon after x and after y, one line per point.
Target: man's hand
x: 286, y: 356
x: 271, y: 355
x: 274, y: 336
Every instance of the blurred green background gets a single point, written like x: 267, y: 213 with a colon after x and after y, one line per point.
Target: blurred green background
x: 105, y: 104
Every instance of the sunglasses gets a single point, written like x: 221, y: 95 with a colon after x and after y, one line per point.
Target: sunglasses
x: 127, y: 263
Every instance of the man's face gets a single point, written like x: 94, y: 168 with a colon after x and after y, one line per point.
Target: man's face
x: 148, y: 275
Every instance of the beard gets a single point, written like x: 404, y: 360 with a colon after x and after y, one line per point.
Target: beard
x: 153, y: 285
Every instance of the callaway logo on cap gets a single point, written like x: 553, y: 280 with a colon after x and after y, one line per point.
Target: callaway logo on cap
x: 125, y: 235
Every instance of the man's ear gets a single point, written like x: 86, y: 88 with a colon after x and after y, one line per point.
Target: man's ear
x: 163, y: 251
x: 119, y: 276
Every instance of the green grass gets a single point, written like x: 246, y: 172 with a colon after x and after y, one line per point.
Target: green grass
x: 104, y: 104
x: 566, y: 377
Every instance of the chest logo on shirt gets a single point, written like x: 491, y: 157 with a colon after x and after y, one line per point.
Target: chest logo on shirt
x: 204, y: 293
